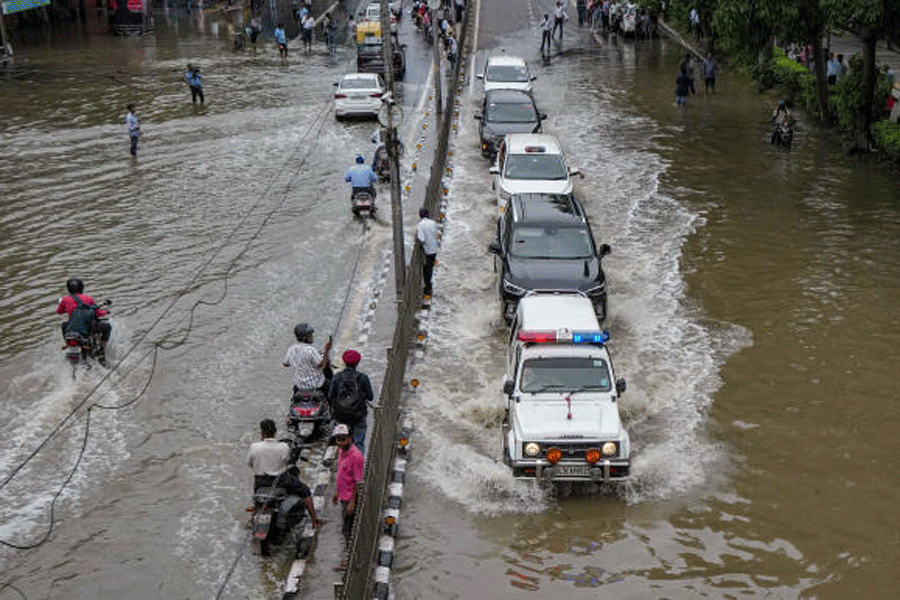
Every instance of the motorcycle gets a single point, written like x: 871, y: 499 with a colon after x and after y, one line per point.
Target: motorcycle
x: 275, y: 512
x: 782, y: 135
x: 380, y: 163
x: 86, y: 349
x: 362, y: 201
x: 309, y: 415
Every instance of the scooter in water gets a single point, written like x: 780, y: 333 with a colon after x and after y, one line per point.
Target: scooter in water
x: 782, y: 135
x: 362, y: 202
x: 275, y: 512
x: 380, y: 163
x: 85, y: 349
x: 309, y: 416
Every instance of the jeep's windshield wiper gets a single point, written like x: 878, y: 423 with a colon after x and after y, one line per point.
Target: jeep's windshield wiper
x: 551, y: 386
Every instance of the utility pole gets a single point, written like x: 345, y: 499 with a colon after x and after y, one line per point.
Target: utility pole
x: 391, y: 110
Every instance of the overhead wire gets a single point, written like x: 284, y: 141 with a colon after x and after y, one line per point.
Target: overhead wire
x: 162, y: 343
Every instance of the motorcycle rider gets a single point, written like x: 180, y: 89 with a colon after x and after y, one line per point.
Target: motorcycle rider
x: 361, y: 177
x: 782, y: 119
x: 67, y: 306
x: 312, y: 369
x: 270, y: 460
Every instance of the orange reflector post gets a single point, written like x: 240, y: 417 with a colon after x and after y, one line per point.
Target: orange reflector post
x: 389, y: 520
x: 404, y: 442
x: 414, y: 382
x: 554, y: 454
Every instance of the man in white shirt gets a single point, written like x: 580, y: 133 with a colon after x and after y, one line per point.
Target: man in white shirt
x: 426, y: 233
x: 311, y: 369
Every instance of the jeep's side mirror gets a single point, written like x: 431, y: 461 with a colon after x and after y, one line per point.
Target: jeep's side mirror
x: 479, y: 76
x: 337, y: 83
x: 543, y: 116
x: 477, y: 116
x: 508, y: 386
x: 494, y: 248
x: 620, y: 386
x: 604, y: 250
x: 494, y: 170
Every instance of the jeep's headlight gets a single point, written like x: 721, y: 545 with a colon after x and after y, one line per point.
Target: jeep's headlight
x: 610, y: 449
x: 532, y: 449
x: 511, y: 288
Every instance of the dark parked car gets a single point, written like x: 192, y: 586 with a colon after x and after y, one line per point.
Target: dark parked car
x: 506, y: 111
x: 544, y: 243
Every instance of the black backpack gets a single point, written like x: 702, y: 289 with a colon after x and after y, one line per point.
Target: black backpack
x: 83, y: 320
x: 349, y: 404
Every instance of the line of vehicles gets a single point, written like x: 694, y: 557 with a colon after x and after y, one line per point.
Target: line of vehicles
x: 561, y: 421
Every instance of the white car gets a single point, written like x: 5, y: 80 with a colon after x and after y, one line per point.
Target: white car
x: 562, y: 420
x: 358, y: 94
x: 507, y: 72
x: 530, y: 163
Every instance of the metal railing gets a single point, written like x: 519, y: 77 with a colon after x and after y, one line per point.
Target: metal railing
x: 358, y: 582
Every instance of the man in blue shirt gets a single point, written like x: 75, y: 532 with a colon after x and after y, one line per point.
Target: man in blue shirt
x: 281, y: 40
x: 361, y: 176
x: 195, y: 82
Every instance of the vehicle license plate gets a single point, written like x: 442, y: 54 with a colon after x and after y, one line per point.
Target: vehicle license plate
x: 305, y: 428
x: 572, y: 471
x: 262, y: 518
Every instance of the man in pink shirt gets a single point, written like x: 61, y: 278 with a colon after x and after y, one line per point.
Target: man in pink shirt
x: 350, y: 466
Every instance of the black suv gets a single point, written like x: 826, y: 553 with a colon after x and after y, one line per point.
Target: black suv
x: 544, y: 243
x: 506, y: 111
x: 370, y: 59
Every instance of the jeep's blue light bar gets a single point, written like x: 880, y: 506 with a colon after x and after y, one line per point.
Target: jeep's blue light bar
x: 590, y: 337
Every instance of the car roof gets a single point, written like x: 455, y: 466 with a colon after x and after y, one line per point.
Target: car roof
x: 360, y: 76
x: 505, y: 59
x: 508, y: 95
x: 543, y: 208
x: 517, y: 142
x: 550, y: 312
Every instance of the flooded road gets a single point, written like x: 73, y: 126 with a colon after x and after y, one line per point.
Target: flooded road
x: 752, y: 298
x: 751, y: 311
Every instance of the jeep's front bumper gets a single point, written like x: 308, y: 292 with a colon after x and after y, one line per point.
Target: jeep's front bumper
x: 608, y: 470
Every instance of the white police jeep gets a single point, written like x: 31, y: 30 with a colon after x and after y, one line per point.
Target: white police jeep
x: 562, y: 416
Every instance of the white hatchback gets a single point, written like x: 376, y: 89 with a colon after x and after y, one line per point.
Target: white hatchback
x: 530, y: 163
x: 358, y: 94
x: 506, y: 72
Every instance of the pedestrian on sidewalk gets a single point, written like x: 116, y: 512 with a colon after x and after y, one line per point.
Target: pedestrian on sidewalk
x: 254, y: 33
x: 309, y: 23
x: 832, y: 68
x: 195, y: 82
x: 546, y: 27
x: 349, y: 398
x: 559, y: 16
x: 134, y: 129
x: 842, y: 67
x: 281, y: 40
x: 426, y: 234
x: 710, y: 67
x: 350, y: 472
x: 460, y: 5
x: 581, y: 7
x: 695, y: 23
x: 452, y: 50
x: 329, y: 25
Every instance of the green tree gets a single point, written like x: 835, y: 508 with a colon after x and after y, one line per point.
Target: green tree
x: 871, y: 21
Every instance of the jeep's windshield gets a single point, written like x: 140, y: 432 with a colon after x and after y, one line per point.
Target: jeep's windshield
x: 507, y: 73
x: 551, y: 242
x: 565, y: 374
x: 535, y: 166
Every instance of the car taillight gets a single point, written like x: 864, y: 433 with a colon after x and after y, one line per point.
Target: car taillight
x: 375, y: 95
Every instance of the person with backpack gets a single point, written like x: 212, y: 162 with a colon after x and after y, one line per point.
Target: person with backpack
x: 82, y: 314
x: 349, y: 397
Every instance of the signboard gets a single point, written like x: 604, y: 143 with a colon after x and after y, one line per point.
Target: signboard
x: 13, y: 6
